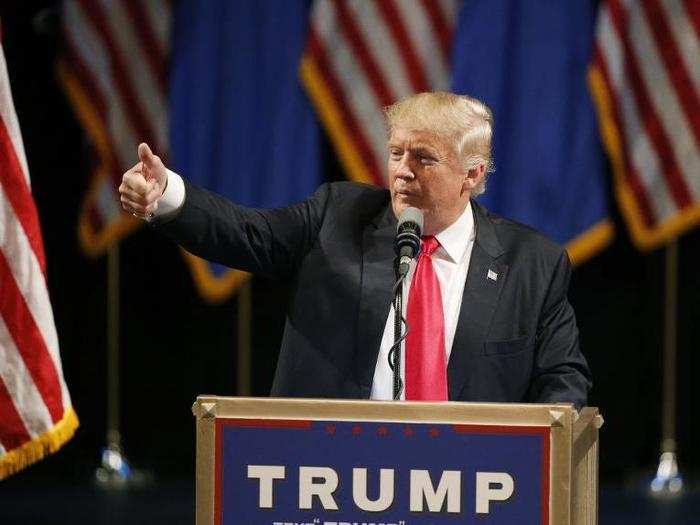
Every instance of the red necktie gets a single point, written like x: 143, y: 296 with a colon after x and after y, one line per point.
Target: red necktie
x: 426, y: 368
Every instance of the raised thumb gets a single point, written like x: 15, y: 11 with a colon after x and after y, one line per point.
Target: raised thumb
x: 146, y: 155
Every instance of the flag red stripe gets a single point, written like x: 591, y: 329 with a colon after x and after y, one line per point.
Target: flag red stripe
x: 318, y: 53
x: 96, y: 95
x: 692, y: 7
x: 442, y: 28
x: 84, y: 74
x: 675, y: 66
x: 411, y: 62
x: 365, y: 58
x: 149, y: 43
x: 631, y: 175
x: 652, y: 123
x: 13, y: 433
x: 120, y: 76
x: 19, y: 195
x: 97, y: 221
x: 29, y: 341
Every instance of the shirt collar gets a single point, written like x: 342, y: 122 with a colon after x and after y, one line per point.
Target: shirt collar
x: 455, y: 238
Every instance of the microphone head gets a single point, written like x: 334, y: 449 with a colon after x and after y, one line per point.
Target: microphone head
x: 408, y: 231
x: 410, y: 215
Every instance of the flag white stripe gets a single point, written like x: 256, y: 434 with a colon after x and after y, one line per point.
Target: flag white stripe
x: 425, y: 42
x: 642, y: 155
x: 23, y: 391
x: 686, y: 38
x: 364, y: 105
x: 10, y: 118
x: 382, y: 47
x: 159, y: 18
x: 107, y: 200
x: 90, y: 49
x: 449, y: 9
x: 27, y: 273
x: 140, y: 76
x: 665, y: 100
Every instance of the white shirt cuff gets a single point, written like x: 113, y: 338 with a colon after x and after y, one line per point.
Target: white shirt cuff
x: 173, y: 197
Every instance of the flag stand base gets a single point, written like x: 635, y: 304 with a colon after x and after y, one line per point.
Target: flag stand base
x: 116, y: 473
x: 668, y: 481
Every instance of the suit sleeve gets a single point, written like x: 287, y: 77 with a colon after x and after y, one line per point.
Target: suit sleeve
x: 560, y: 372
x: 271, y: 242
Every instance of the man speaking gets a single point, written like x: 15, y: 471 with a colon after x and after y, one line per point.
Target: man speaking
x: 486, y: 298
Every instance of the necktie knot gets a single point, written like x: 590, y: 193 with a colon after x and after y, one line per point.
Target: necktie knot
x: 429, y: 244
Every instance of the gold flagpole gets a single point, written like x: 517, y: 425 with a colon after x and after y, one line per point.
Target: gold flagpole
x: 114, y: 470
x: 668, y: 479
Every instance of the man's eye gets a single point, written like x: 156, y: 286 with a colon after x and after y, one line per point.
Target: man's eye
x: 395, y: 154
x: 427, y: 161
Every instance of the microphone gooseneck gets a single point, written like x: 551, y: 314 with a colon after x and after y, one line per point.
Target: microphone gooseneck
x: 407, y: 242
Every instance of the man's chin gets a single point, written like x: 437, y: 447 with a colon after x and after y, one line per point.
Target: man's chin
x: 401, y: 201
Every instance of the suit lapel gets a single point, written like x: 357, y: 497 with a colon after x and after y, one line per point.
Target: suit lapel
x: 485, y: 280
x: 377, y: 281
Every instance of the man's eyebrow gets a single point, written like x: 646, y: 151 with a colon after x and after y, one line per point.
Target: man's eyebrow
x: 424, y: 148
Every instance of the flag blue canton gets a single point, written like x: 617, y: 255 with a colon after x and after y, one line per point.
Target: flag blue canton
x: 240, y: 124
x: 528, y: 61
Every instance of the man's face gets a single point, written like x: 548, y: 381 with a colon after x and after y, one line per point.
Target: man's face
x: 424, y: 172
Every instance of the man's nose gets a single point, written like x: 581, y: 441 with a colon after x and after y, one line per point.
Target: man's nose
x: 403, y: 170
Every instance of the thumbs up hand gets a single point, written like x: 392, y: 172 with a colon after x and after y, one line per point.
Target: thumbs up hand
x: 143, y: 185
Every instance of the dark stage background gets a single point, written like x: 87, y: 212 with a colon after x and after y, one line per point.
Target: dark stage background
x: 175, y: 346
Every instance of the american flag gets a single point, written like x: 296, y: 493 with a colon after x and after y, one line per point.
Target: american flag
x: 36, y: 416
x: 645, y: 78
x: 364, y: 55
x: 114, y: 71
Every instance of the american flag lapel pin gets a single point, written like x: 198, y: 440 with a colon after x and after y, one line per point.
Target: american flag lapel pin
x: 492, y: 275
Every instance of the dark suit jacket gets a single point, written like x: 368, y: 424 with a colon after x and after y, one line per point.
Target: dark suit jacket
x: 516, y: 338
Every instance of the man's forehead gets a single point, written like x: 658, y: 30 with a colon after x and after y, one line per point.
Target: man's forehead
x: 416, y: 138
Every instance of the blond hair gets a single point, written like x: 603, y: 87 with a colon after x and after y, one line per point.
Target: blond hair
x: 466, y: 120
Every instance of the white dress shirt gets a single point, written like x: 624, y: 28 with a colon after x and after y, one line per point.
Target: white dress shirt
x: 451, y: 262
x: 173, y: 197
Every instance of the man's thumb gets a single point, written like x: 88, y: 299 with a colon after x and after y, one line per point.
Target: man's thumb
x: 146, y: 155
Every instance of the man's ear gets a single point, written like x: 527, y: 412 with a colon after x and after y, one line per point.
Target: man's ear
x: 472, y: 177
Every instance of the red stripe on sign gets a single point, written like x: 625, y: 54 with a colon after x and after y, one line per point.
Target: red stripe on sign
x: 13, y: 433
x: 17, y: 190
x: 149, y: 42
x: 411, y: 62
x: 545, y: 462
x: 692, y: 8
x: 29, y: 341
x: 500, y: 429
x: 443, y: 29
x: 675, y: 66
x: 218, y: 471
x: 357, y: 136
x: 119, y: 74
x: 364, y: 57
x: 303, y: 424
x: 647, y: 112
x: 631, y: 175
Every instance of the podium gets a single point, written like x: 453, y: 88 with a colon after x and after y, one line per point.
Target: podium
x: 343, y: 462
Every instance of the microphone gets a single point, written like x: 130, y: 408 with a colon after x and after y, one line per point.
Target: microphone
x: 407, y: 242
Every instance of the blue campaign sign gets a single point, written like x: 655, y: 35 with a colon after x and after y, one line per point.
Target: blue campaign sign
x: 279, y: 472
